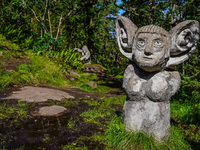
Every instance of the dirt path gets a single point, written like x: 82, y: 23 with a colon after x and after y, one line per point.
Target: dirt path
x: 51, y: 111
x: 31, y: 94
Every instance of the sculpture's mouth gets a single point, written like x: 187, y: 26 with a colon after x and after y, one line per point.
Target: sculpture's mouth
x: 145, y: 58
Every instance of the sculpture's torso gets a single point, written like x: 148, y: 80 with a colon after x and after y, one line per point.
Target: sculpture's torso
x: 140, y: 85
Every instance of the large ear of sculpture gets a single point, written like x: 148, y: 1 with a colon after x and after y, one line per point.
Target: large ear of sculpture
x: 184, y: 38
x: 125, y: 32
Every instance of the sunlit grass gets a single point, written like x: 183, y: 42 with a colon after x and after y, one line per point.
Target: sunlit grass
x: 8, y: 43
x: 104, y: 109
x: 118, y: 138
x: 187, y: 113
x: 187, y: 116
x: 85, y: 79
x: 41, y: 70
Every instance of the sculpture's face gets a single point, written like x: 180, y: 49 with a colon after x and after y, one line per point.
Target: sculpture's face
x: 150, y: 50
x: 153, y: 48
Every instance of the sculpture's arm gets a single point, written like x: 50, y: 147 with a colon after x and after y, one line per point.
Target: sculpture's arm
x: 78, y: 50
x: 85, y: 54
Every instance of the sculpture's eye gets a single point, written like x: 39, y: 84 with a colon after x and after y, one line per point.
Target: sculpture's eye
x: 141, y: 43
x: 158, y: 43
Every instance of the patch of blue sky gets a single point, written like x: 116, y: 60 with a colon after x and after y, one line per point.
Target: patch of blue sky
x: 121, y: 11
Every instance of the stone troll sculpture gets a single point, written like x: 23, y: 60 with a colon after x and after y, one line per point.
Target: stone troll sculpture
x: 84, y: 51
x: 148, y: 81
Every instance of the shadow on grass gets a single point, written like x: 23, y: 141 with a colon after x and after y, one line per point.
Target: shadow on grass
x: 110, y: 81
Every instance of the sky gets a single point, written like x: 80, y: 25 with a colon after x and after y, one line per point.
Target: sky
x: 120, y: 11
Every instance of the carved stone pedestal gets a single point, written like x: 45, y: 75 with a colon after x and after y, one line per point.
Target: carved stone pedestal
x: 148, y: 117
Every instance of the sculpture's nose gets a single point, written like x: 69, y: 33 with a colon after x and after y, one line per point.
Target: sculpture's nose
x: 149, y: 49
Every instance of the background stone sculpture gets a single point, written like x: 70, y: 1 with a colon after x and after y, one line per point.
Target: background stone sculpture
x: 148, y: 82
x: 84, y: 52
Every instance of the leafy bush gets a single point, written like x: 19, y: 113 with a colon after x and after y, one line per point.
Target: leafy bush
x: 69, y: 60
x: 47, y: 45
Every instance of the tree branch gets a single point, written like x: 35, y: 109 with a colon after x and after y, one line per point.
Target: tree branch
x: 154, y: 7
x: 59, y: 27
x: 50, y: 23
x: 45, y: 10
x: 34, y: 14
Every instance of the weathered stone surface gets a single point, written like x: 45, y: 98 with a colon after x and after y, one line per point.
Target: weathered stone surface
x: 149, y: 117
x: 94, y: 68
x: 84, y: 51
x: 156, y: 86
x: 38, y: 94
x: 51, y: 110
x: 147, y: 81
x: 74, y: 73
x: 152, y: 48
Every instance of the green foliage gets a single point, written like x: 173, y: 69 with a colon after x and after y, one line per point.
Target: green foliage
x: 69, y: 60
x: 46, y: 44
x: 39, y: 25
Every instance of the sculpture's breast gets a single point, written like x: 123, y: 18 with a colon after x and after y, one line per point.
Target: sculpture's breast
x: 133, y: 84
x: 163, y: 85
x: 140, y: 85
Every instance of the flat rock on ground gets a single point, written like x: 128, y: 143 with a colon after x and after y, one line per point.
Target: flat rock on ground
x: 38, y: 94
x: 51, y: 110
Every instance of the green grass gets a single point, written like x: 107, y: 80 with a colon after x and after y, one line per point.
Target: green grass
x: 105, y: 108
x: 17, y: 111
x: 70, y: 124
x: 8, y: 43
x: 187, y: 116
x: 85, y: 79
x: 41, y: 70
x: 187, y: 113
x: 66, y: 103
x: 118, y: 138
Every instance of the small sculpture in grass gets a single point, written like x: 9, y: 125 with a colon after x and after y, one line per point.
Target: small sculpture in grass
x: 148, y: 81
x: 92, y: 68
x: 84, y: 52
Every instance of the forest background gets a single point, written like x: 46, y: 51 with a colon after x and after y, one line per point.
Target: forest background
x: 55, y: 27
